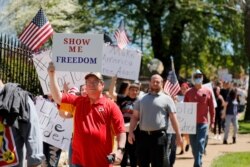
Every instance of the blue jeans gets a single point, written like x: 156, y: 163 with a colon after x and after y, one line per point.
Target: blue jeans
x: 234, y: 120
x: 197, y: 142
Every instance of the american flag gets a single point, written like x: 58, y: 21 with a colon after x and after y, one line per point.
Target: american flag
x: 121, y: 36
x: 37, y: 32
x: 172, y: 86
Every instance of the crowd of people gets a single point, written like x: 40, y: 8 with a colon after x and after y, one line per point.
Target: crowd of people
x: 137, y: 120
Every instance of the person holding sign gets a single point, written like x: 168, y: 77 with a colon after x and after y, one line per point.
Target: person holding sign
x: 203, y: 97
x: 153, y: 111
x: 96, y: 120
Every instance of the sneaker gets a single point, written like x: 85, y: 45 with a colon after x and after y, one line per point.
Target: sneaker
x: 234, y: 140
x: 219, y: 137
x: 187, y: 148
x: 225, y: 142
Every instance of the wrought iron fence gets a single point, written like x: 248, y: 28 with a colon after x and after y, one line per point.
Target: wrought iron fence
x: 16, y: 64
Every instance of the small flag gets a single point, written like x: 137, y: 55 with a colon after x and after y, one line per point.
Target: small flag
x: 172, y: 86
x: 121, y: 36
x: 37, y: 32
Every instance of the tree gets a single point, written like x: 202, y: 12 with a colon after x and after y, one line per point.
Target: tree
x: 246, y: 7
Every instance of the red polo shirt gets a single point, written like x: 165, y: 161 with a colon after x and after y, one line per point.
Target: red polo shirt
x: 205, y: 104
x: 94, y: 128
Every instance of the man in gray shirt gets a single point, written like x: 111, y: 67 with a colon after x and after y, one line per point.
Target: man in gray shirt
x: 152, y: 112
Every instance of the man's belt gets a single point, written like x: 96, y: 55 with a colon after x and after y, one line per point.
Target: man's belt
x: 155, y: 132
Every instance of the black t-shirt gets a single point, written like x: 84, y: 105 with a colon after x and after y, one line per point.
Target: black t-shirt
x: 126, y: 105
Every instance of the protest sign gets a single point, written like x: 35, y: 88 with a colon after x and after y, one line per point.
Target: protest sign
x: 124, y: 63
x: 186, y: 116
x: 210, y: 87
x: 78, y: 52
x: 41, y: 61
x: 56, y: 130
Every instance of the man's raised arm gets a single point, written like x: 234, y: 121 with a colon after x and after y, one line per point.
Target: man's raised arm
x: 54, y: 88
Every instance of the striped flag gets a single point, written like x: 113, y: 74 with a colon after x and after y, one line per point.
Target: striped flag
x: 172, y: 86
x: 121, y: 36
x: 37, y: 32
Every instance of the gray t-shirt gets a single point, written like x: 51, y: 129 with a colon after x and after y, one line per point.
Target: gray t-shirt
x: 153, y: 111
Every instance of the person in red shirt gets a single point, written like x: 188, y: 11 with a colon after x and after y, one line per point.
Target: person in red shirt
x: 203, y: 97
x: 96, y: 120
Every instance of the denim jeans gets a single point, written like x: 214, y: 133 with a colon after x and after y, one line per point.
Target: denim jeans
x: 228, y: 120
x: 30, y: 135
x: 197, y: 142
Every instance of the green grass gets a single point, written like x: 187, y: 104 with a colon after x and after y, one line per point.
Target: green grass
x: 232, y: 160
x: 244, y: 127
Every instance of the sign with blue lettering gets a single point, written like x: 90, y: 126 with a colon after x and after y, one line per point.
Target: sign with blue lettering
x: 41, y: 61
x: 77, y: 52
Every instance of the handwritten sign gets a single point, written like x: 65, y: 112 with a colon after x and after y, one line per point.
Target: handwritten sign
x: 41, y: 62
x: 123, y: 63
x: 56, y: 130
x: 186, y: 115
x: 78, y: 52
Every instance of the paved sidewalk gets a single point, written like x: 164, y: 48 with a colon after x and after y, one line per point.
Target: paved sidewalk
x: 214, y: 149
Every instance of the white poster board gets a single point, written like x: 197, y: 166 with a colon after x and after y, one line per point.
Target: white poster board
x: 186, y: 116
x: 124, y: 63
x: 78, y: 52
x: 210, y: 87
x: 56, y: 130
x: 41, y: 62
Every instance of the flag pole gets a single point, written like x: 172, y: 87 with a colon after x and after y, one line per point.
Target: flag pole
x: 172, y: 63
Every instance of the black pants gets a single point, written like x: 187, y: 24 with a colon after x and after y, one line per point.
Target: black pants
x: 153, y: 149
x: 130, y: 153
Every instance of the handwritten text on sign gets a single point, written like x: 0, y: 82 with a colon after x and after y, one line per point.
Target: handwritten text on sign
x: 123, y: 63
x: 186, y: 115
x: 56, y: 130
x: 41, y: 62
x: 77, y: 52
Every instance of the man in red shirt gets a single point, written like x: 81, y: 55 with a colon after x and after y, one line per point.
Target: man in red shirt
x: 203, y: 97
x: 96, y: 120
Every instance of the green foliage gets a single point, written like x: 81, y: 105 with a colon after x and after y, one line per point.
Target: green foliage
x: 239, y: 159
x: 199, y: 34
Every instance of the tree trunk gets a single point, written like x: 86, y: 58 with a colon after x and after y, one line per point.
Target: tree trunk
x: 247, y: 49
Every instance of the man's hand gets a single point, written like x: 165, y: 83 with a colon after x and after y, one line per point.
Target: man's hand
x: 131, y: 137
x: 51, y: 68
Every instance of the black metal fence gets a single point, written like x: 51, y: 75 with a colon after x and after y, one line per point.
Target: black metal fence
x: 16, y: 64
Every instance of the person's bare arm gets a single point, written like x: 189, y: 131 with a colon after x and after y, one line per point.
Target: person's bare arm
x: 175, y: 125
x: 54, y: 88
x: 112, y: 91
x: 133, y: 123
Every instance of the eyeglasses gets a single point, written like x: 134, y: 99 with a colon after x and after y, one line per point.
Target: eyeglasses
x: 198, y: 76
x: 90, y: 83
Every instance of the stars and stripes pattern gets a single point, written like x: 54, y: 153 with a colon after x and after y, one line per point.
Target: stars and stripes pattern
x: 172, y: 86
x: 37, y: 32
x: 121, y: 36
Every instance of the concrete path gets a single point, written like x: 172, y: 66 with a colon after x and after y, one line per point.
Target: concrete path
x: 214, y: 149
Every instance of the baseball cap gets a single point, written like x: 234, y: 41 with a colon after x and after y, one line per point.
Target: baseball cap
x: 197, y: 72
x: 95, y: 74
x: 73, y: 90
x: 134, y: 85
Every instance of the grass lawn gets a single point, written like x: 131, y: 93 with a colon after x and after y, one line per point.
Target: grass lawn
x: 232, y: 160
x: 244, y: 127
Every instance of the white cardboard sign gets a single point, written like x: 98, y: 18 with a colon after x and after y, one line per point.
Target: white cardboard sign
x: 41, y: 62
x: 77, y: 52
x: 56, y: 131
x: 186, y: 115
x: 124, y: 63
